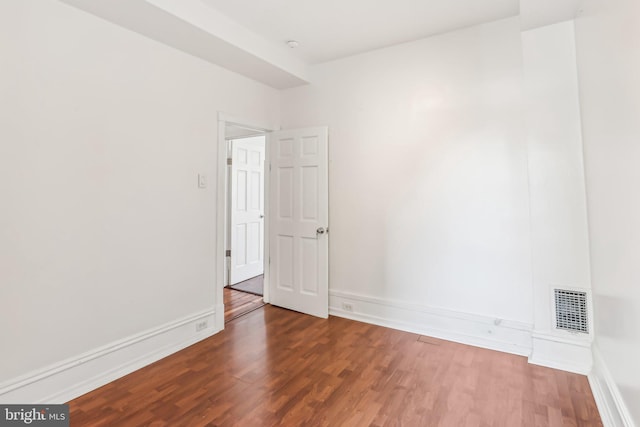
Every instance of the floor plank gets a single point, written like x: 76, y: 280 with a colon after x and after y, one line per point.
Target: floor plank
x: 237, y: 303
x: 274, y: 367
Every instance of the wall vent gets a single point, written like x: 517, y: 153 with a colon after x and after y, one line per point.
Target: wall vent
x: 571, y: 310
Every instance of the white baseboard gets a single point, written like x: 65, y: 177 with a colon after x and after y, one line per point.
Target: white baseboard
x: 472, y: 329
x: 613, y: 411
x: 566, y: 354
x: 76, y: 376
x: 572, y: 355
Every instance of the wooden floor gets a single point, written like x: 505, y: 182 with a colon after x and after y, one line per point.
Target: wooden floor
x: 237, y: 303
x: 274, y: 367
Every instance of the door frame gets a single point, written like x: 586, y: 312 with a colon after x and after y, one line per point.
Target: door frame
x: 222, y: 208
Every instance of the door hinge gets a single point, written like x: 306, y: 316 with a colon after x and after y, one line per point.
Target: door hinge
x: 229, y: 161
x: 228, y: 252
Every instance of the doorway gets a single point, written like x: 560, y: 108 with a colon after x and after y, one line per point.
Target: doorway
x: 245, y: 219
x: 295, y: 239
x: 245, y: 224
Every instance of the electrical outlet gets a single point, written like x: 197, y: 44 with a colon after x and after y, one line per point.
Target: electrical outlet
x: 201, y: 325
x: 347, y: 307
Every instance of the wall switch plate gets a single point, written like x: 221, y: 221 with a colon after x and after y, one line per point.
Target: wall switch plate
x: 202, y: 180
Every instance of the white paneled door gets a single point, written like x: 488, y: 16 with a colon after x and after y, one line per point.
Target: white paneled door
x: 299, y: 219
x: 247, y: 208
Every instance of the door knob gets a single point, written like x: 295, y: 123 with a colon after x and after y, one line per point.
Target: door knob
x: 320, y: 230
x: 261, y: 216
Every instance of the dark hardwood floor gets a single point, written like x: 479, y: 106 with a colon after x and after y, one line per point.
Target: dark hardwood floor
x: 274, y: 367
x: 237, y: 303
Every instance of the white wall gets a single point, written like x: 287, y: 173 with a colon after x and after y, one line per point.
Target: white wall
x: 560, y: 241
x: 103, y: 231
x: 428, y: 171
x: 608, y: 46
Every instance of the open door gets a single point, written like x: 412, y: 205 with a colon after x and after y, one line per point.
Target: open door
x: 299, y: 219
x: 247, y: 208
